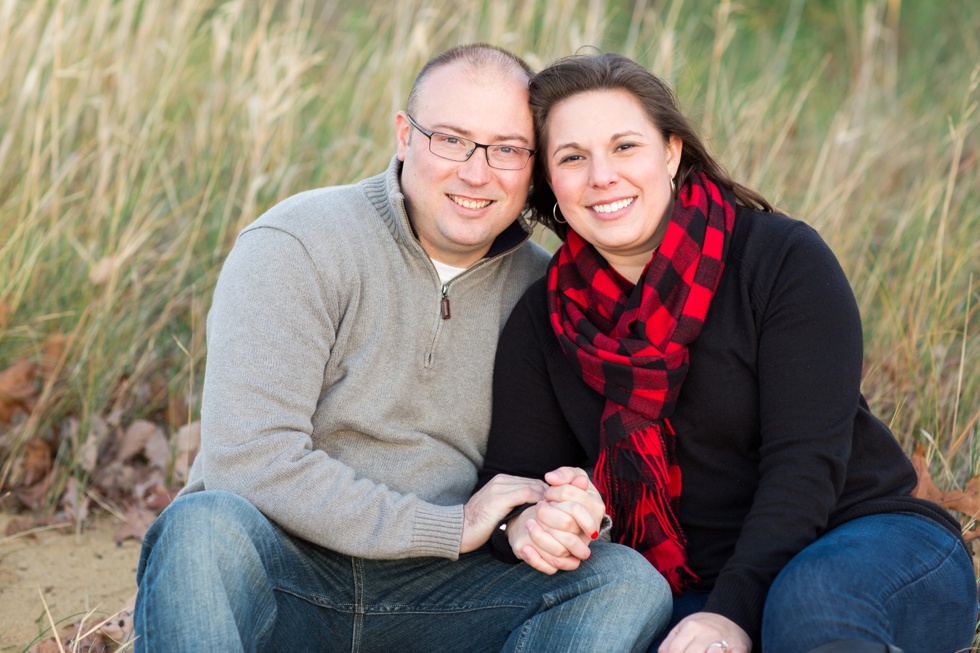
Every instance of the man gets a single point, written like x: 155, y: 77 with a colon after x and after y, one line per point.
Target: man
x: 345, y: 412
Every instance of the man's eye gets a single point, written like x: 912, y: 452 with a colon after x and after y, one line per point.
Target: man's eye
x: 449, y: 140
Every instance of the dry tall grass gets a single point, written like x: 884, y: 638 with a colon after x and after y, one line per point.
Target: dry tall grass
x: 137, y: 138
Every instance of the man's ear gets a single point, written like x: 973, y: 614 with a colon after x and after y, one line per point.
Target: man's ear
x: 403, y: 134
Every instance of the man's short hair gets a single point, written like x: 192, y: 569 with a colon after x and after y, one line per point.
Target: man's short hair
x: 478, y: 55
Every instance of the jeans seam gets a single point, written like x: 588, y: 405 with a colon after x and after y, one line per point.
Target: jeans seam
x: 922, y: 577
x: 523, y: 636
x: 357, y: 623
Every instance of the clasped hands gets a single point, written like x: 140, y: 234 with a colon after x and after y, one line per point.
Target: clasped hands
x: 554, y: 533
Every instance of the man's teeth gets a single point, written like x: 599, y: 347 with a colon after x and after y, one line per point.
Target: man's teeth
x: 615, y: 206
x: 469, y: 204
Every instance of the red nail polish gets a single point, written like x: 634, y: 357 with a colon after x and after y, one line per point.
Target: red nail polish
x: 595, y: 535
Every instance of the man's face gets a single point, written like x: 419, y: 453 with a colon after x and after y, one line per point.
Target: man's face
x: 458, y: 208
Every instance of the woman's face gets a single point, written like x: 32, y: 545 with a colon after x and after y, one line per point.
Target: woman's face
x: 610, y: 170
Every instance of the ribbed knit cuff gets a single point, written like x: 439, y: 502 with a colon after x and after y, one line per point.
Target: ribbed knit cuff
x: 741, y: 601
x: 438, y: 531
x: 499, y: 543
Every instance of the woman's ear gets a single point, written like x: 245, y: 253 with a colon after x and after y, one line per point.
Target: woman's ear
x: 675, y: 147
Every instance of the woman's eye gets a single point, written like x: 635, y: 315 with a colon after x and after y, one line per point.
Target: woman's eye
x: 569, y: 158
x: 625, y: 146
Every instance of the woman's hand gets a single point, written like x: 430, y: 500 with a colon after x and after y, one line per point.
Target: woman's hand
x: 706, y: 632
x: 572, y: 490
x: 555, y: 534
x: 547, y: 550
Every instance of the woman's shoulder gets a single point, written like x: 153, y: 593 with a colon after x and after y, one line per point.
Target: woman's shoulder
x: 768, y: 245
x: 759, y: 233
x: 778, y: 261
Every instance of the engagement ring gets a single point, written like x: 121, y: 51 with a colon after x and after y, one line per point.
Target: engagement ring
x: 723, y: 645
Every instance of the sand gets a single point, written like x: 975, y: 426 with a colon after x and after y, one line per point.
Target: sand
x: 75, y: 572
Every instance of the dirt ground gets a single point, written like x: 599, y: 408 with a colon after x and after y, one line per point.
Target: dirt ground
x: 76, y: 573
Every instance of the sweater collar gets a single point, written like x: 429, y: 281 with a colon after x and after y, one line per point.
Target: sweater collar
x: 385, y: 194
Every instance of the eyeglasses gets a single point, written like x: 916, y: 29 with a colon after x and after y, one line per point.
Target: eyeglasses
x: 457, y: 148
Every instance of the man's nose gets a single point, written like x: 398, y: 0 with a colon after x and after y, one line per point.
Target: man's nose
x: 476, y: 169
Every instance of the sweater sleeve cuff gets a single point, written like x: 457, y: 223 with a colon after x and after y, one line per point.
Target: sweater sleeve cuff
x: 742, y: 602
x: 438, y: 531
x: 499, y: 544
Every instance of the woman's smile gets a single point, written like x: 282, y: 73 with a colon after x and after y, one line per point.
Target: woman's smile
x: 611, y: 169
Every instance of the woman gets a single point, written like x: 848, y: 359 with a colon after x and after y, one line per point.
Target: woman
x: 702, y: 355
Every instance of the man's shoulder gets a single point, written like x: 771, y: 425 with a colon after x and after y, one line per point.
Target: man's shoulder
x: 530, y: 260
x: 332, y: 218
x: 535, y: 255
x: 316, y: 209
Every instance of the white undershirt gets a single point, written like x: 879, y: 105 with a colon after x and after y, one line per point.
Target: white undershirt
x: 447, y: 272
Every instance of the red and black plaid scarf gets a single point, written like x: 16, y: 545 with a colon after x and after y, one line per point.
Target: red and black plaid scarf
x: 631, y: 345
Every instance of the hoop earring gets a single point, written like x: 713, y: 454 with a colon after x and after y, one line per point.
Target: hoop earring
x: 554, y: 214
x: 673, y: 186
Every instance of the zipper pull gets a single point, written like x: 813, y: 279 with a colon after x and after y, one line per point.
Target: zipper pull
x: 444, y: 304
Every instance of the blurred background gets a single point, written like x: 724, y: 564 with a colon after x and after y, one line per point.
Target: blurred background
x: 137, y: 138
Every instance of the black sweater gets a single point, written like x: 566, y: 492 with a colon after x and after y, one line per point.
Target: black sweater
x: 775, y: 443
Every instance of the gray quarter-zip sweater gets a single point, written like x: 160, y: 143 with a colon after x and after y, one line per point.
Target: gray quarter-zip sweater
x: 337, y: 398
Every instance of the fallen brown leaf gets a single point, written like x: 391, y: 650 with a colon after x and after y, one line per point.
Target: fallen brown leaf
x: 134, y: 439
x: 34, y: 463
x: 188, y: 443
x: 153, y: 493
x: 87, y: 454
x: 74, y: 501
x: 965, y: 501
x: 119, y: 627
x: 157, y: 450
x: 33, y: 497
x: 116, y: 480
x: 138, y: 521
x: 17, y: 389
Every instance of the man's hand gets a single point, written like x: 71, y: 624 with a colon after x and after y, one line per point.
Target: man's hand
x: 485, y: 509
x: 697, y: 632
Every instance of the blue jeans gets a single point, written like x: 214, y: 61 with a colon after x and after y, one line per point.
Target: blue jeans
x: 216, y: 575
x: 895, y: 578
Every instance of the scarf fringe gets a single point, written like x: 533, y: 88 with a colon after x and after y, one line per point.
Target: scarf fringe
x: 623, y: 475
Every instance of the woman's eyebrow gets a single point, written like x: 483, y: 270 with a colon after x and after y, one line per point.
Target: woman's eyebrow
x: 575, y: 146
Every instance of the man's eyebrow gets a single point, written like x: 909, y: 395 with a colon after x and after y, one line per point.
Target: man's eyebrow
x: 612, y: 139
x: 466, y: 133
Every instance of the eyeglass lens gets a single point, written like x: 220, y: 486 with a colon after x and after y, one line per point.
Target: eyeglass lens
x: 506, y: 157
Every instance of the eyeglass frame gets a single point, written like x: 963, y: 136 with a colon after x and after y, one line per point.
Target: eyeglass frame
x: 428, y: 133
